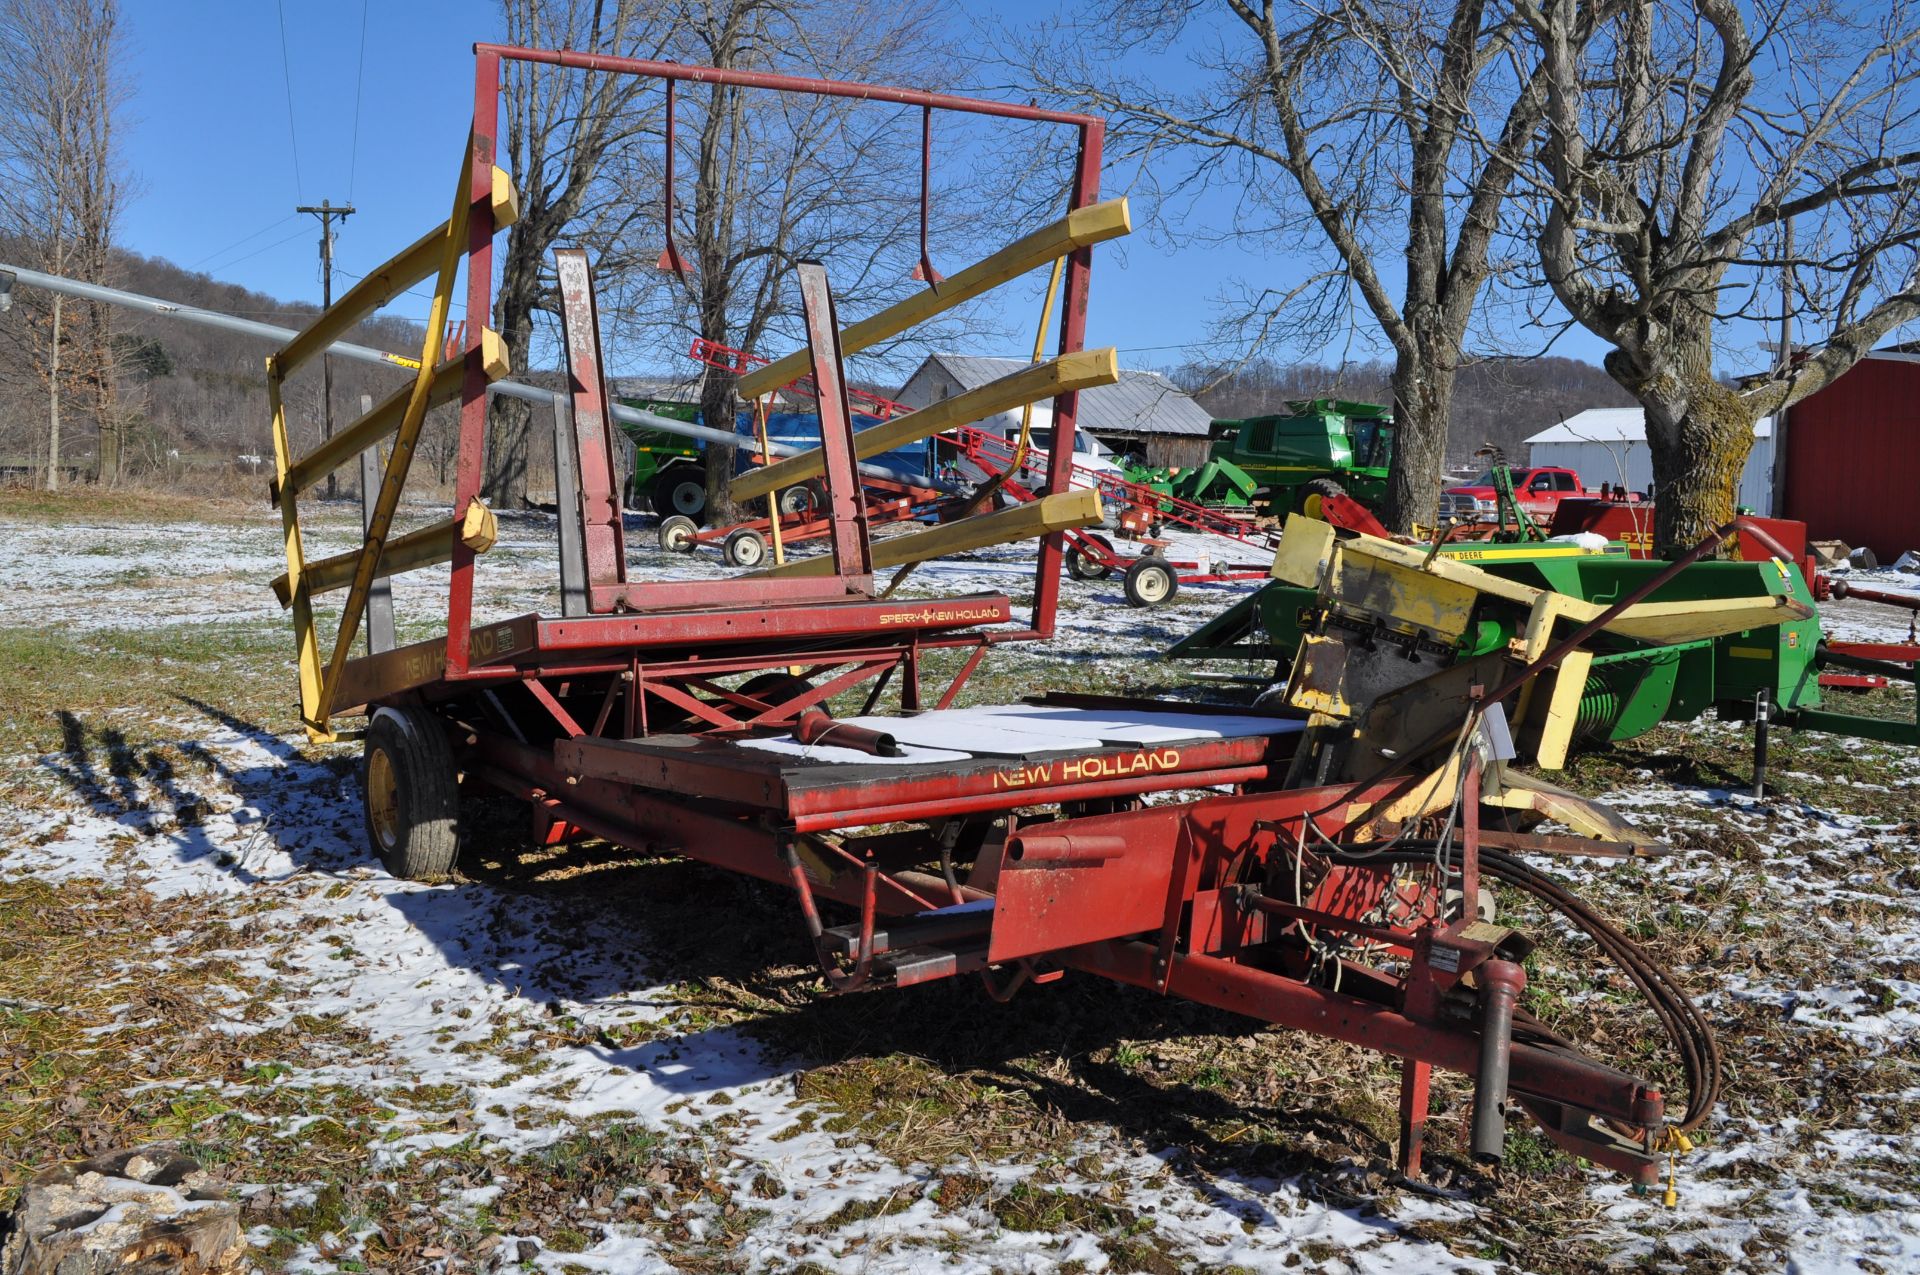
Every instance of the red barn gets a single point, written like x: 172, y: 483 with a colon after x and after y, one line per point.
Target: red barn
x: 1850, y: 464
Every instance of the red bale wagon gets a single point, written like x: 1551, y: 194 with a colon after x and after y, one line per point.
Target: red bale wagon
x: 1195, y: 852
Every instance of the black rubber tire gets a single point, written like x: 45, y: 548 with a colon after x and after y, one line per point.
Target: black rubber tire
x: 808, y: 498
x: 680, y: 491
x: 677, y: 533
x: 745, y: 548
x: 1083, y: 566
x: 410, y: 793
x: 1149, y: 582
x: 1322, y: 488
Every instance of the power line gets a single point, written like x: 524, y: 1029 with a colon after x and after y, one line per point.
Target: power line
x: 286, y: 72
x: 257, y: 251
x: 248, y: 239
x: 359, y: 78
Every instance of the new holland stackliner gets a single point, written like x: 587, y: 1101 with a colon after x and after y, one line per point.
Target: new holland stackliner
x: 1242, y: 859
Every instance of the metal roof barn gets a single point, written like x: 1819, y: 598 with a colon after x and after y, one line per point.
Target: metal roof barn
x: 1143, y: 411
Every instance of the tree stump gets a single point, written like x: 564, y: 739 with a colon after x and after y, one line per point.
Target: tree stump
x: 139, y: 1212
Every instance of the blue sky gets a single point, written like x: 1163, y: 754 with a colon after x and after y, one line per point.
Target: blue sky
x: 219, y: 167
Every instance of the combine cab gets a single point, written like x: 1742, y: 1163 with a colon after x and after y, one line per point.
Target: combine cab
x: 1326, y: 443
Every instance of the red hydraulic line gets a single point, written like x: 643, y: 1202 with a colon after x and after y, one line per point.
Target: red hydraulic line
x: 788, y: 84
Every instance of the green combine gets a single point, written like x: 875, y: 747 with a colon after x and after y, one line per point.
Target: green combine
x: 1275, y: 462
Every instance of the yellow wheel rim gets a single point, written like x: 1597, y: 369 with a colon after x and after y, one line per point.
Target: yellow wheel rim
x: 383, y: 799
x: 1311, y: 506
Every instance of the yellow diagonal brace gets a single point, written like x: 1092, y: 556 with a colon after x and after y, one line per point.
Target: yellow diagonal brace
x: 429, y: 546
x: 1078, y: 229
x: 1080, y: 370
x: 1079, y: 507
x: 387, y: 415
x: 380, y: 287
x: 305, y: 648
x: 452, y: 250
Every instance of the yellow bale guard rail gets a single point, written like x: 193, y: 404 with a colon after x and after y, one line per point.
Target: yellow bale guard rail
x: 402, y: 415
x: 1078, y: 229
x: 430, y: 546
x: 1083, y: 369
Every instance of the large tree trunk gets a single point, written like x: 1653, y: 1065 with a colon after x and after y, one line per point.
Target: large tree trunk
x: 718, y: 410
x: 1699, y: 434
x: 1422, y: 405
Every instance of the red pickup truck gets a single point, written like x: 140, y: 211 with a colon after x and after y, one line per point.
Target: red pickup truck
x: 1539, y: 490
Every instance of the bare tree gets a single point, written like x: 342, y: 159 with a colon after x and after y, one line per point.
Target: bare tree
x: 1694, y: 155
x: 560, y: 128
x: 60, y: 97
x: 1379, y: 138
x: 782, y: 178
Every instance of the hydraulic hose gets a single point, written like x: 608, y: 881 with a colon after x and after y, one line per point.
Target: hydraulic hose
x: 1686, y: 1027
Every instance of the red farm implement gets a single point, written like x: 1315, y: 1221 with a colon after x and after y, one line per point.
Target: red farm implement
x: 1219, y: 856
x: 1016, y: 473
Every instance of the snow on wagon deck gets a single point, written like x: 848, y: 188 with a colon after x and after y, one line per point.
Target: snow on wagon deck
x: 962, y: 759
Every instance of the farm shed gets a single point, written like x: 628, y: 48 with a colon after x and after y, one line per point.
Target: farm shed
x: 1851, y: 456
x: 1609, y: 445
x: 1143, y: 412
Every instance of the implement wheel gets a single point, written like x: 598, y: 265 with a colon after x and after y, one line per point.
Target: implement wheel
x: 1082, y: 565
x: 809, y: 498
x: 745, y: 548
x: 682, y: 490
x: 1312, y: 493
x: 677, y: 534
x: 1149, y: 582
x: 412, y: 794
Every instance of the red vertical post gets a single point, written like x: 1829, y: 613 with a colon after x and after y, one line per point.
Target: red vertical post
x: 602, y: 536
x: 1470, y: 840
x: 1073, y: 336
x: 469, y: 468
x: 846, y: 505
x: 1416, y: 1081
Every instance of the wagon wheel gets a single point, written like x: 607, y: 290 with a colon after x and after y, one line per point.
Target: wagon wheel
x: 678, y: 534
x: 681, y: 490
x: 745, y: 548
x: 1149, y: 582
x: 412, y: 794
x: 1082, y: 565
x: 809, y: 498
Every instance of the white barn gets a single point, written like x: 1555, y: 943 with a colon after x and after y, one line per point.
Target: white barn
x: 1609, y: 445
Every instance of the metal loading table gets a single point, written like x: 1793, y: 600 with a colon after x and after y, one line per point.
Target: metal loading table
x: 993, y: 759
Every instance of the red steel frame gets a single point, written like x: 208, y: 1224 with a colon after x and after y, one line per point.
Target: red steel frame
x: 1176, y: 897
x: 480, y: 232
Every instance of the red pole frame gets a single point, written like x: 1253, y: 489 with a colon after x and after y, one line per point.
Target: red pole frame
x: 469, y: 468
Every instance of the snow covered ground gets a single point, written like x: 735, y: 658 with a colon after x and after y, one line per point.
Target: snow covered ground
x: 490, y: 1027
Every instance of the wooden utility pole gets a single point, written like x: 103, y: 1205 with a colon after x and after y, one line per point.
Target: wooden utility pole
x: 326, y: 211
